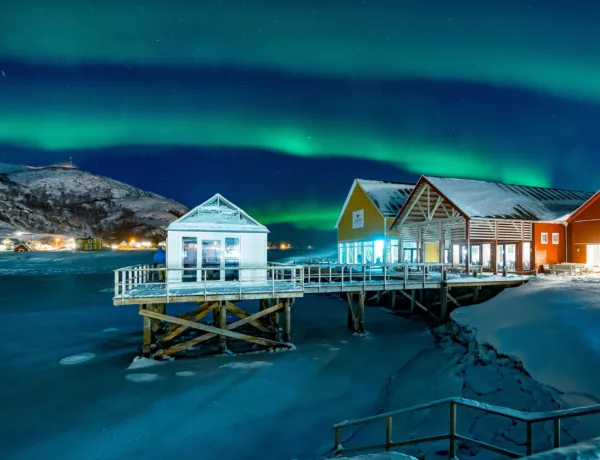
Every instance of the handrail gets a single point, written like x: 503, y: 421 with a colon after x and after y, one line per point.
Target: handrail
x: 528, y: 417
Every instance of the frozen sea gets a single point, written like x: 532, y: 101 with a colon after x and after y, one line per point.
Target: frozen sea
x: 66, y: 391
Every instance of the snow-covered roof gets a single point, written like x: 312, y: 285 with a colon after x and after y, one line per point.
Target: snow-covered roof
x: 217, y: 214
x: 477, y: 198
x: 388, y: 197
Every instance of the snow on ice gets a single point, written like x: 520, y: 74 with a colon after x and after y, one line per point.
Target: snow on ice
x: 77, y: 359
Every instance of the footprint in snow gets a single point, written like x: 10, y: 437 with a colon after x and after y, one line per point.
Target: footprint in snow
x: 333, y: 349
x: 141, y: 378
x: 111, y: 329
x: 77, y: 359
x: 343, y: 341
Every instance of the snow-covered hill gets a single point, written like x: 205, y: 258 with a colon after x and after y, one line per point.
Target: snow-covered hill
x: 66, y: 200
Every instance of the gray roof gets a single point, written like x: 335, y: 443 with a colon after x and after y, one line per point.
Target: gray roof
x: 494, y: 200
x: 388, y: 197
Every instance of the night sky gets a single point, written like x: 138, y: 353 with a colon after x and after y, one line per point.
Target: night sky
x: 278, y: 105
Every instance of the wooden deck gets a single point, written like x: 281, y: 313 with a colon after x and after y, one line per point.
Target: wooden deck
x: 137, y: 285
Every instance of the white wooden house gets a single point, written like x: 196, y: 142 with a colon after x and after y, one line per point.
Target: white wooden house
x: 214, y: 243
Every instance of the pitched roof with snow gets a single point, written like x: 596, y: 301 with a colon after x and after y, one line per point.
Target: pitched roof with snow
x: 217, y: 214
x: 494, y: 200
x: 388, y: 197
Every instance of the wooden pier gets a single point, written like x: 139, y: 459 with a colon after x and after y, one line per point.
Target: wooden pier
x: 275, y: 291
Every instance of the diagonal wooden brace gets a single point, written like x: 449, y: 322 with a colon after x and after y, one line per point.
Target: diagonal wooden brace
x: 213, y: 331
x: 178, y: 330
x: 242, y: 314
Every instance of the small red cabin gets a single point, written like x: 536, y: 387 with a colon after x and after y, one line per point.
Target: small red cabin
x: 22, y: 247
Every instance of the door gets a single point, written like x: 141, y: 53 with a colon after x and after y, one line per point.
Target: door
x: 190, y: 259
x: 506, y: 257
x: 593, y: 254
x: 211, y: 259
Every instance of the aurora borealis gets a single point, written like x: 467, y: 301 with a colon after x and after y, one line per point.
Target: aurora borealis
x: 279, y: 105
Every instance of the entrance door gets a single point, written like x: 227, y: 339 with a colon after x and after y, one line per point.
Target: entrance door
x: 506, y: 257
x: 593, y: 254
x: 211, y: 258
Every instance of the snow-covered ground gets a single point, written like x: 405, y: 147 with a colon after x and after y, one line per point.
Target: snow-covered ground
x: 72, y: 393
x: 552, y: 325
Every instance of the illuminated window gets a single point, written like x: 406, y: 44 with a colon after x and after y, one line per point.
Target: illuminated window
x: 544, y: 238
x: 555, y: 238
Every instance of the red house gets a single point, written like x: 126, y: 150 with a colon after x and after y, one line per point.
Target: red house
x: 22, y: 247
x: 497, y: 226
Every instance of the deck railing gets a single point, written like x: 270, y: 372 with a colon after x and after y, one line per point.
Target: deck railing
x: 315, y: 278
x: 529, y: 418
x: 131, y: 277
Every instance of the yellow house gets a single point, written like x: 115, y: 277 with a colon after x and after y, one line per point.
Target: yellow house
x: 89, y: 244
x: 363, y: 225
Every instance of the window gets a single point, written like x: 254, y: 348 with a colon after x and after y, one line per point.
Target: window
x: 88, y: 246
x: 555, y: 238
x: 190, y: 258
x: 343, y: 253
x: 526, y: 256
x: 232, y: 259
x: 544, y: 238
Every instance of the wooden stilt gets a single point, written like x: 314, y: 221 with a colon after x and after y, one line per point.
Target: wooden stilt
x: 351, y: 317
x: 222, y: 325
x: 361, y: 312
x: 475, y: 295
x: 444, y: 301
x: 378, y: 297
x: 275, y: 323
x: 421, y: 291
x: 147, y: 333
x: 393, y: 300
x: 413, y: 295
x: 287, y: 325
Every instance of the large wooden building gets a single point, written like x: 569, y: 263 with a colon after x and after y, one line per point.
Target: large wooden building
x: 497, y: 226
x: 365, y: 219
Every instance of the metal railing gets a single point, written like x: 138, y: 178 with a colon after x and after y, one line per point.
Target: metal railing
x: 370, y: 274
x: 202, y: 280
x: 529, y: 418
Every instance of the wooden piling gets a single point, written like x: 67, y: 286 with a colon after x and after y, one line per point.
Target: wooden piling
x: 413, y: 297
x: 444, y: 301
x: 361, y: 312
x: 222, y: 324
x: 351, y: 317
x: 287, y: 322
x: 393, y: 300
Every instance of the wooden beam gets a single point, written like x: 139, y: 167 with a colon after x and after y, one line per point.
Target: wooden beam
x: 179, y: 329
x: 182, y: 346
x: 222, y: 325
x: 412, y: 204
x: 214, y: 330
x: 435, y: 207
x: 201, y: 307
x: 287, y: 320
x: 417, y: 303
x: 361, y: 313
x: 352, y: 325
x: 453, y: 300
x: 237, y: 311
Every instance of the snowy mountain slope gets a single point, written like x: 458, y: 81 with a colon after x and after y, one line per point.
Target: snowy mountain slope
x: 69, y: 201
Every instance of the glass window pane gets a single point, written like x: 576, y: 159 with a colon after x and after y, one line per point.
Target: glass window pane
x: 211, y: 258
x: 343, y: 253
x: 378, y: 251
x: 359, y: 253
x: 232, y: 259
x: 526, y: 256
x: 190, y: 258
x: 475, y: 255
x: 350, y: 253
x: 455, y: 254
x: 368, y: 248
x: 486, y: 255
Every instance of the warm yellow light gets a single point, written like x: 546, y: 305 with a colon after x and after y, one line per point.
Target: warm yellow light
x: 132, y: 241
